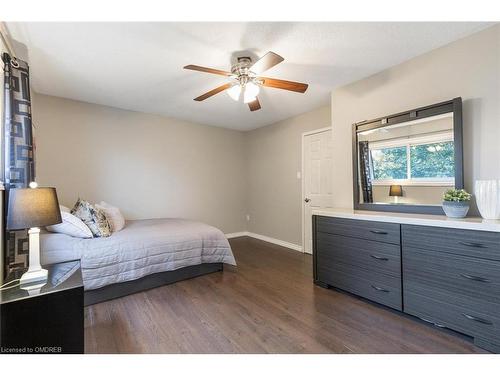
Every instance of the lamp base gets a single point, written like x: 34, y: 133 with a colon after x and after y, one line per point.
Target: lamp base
x: 31, y: 277
x: 35, y: 274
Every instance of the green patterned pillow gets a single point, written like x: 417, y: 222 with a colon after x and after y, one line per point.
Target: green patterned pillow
x: 93, y: 217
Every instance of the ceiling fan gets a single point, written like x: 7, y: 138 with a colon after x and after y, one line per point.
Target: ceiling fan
x: 247, y: 80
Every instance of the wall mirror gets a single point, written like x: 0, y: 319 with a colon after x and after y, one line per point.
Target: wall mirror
x: 406, y: 161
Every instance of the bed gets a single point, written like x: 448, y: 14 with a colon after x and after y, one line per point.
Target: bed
x: 143, y: 255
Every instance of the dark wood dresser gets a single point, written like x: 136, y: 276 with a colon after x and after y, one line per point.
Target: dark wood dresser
x: 446, y: 276
x: 44, y: 320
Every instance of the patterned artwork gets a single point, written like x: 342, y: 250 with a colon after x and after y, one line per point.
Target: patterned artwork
x: 18, y: 153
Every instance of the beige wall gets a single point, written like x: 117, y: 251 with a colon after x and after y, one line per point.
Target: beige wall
x: 149, y: 166
x: 469, y: 68
x: 274, y: 193
x: 152, y: 166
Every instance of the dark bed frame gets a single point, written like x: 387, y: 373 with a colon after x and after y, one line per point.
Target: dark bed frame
x: 148, y: 282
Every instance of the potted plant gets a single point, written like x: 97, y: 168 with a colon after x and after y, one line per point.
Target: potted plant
x: 456, y: 203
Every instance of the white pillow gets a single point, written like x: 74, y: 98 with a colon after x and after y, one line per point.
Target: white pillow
x: 113, y: 215
x: 64, y: 209
x: 72, y: 226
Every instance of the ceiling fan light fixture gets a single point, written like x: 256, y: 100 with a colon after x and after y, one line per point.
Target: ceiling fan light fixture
x: 251, y: 92
x: 234, y: 92
x: 246, y: 80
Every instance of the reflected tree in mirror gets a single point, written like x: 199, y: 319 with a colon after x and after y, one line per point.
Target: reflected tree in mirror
x: 435, y: 160
x: 389, y: 163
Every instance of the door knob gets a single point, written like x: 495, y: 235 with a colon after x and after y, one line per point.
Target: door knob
x: 307, y: 200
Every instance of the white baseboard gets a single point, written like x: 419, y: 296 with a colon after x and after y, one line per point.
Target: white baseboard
x: 266, y: 239
x: 275, y: 241
x: 236, y: 234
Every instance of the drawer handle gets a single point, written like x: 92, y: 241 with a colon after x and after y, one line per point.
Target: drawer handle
x: 378, y: 257
x: 434, y: 323
x: 379, y: 289
x: 474, y: 278
x: 476, y: 319
x: 473, y: 244
x: 378, y: 232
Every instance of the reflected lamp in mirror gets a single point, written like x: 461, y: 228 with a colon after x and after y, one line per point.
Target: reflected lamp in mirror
x: 32, y: 208
x: 396, y: 191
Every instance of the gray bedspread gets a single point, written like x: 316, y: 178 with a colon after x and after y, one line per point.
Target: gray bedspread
x: 143, y: 247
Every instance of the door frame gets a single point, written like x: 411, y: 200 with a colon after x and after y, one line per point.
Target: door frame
x: 303, y: 194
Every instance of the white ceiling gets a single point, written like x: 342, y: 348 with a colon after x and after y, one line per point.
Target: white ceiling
x: 138, y: 66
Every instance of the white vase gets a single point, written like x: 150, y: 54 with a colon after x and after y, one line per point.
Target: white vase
x: 487, y: 194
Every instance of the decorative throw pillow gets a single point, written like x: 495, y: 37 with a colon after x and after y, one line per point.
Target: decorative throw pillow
x: 71, y: 225
x: 115, y: 218
x: 93, y: 217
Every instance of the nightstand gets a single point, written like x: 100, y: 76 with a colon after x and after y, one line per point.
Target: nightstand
x: 45, y: 320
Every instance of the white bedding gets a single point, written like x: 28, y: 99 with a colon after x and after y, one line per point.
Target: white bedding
x: 141, y: 248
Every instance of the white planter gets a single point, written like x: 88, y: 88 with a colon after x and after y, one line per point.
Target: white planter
x: 456, y: 210
x: 487, y: 194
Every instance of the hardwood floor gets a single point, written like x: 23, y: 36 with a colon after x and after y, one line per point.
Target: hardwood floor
x: 268, y: 304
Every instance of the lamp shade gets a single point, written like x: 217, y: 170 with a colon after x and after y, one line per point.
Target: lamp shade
x: 29, y: 208
x: 396, y: 191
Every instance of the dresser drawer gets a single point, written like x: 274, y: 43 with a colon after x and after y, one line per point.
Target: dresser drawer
x: 476, y: 281
x: 459, y: 318
x: 371, y: 255
x: 370, y: 230
x: 374, y: 286
x: 472, y: 243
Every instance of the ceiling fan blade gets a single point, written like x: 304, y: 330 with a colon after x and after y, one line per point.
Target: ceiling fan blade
x: 208, y: 70
x: 255, y: 105
x: 212, y: 92
x: 266, y: 62
x: 284, y: 85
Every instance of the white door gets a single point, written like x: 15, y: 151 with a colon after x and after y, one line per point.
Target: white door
x: 317, y: 178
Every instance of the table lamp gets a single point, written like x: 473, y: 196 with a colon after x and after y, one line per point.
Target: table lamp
x: 31, y: 208
x: 396, y: 191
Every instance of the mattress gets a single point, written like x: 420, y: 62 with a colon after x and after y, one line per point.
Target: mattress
x: 141, y: 248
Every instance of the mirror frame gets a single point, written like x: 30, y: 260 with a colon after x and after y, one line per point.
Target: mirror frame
x: 454, y: 106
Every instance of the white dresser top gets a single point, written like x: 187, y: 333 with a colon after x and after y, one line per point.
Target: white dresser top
x: 474, y: 223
